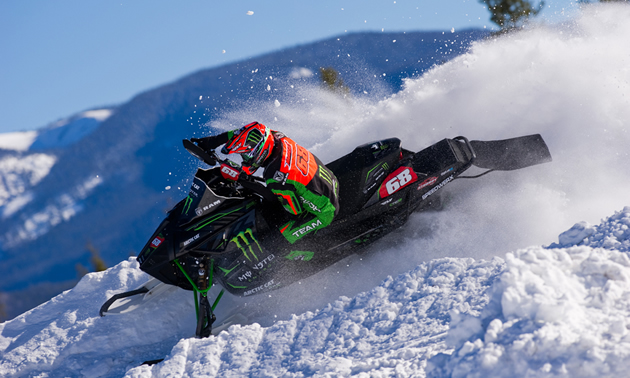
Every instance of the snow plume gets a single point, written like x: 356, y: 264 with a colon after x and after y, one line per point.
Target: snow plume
x: 569, y: 82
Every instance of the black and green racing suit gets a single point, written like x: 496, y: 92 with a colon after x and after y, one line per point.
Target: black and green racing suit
x: 307, y: 190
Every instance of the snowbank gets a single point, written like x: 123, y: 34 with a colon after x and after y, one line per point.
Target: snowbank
x: 553, y: 311
x: 388, y: 331
x: 544, y: 311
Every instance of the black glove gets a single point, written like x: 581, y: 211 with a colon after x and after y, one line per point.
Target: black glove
x: 211, y: 142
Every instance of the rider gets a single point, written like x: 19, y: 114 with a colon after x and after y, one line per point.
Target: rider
x: 305, y: 188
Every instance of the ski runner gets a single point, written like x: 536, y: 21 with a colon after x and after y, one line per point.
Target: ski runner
x: 306, y: 189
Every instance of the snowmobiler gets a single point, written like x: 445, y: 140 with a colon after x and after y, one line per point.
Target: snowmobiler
x: 220, y: 234
x: 304, y: 186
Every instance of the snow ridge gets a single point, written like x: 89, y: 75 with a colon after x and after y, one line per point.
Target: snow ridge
x: 390, y: 330
x: 544, y: 311
x: 553, y: 311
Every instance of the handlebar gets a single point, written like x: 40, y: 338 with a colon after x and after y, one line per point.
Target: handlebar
x: 211, y: 158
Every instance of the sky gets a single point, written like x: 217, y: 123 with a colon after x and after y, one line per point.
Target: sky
x: 58, y: 58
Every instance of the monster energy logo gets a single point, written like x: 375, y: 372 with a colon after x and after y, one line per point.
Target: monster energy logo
x: 242, y: 241
x: 254, y: 137
x: 187, y: 204
x: 323, y: 173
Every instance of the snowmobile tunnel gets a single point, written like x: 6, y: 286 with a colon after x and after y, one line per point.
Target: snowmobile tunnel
x: 359, y: 171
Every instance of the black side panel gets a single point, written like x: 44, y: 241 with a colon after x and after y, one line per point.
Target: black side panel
x: 361, y: 171
x: 511, y: 154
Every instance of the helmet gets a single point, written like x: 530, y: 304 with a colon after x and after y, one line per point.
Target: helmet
x: 254, y: 142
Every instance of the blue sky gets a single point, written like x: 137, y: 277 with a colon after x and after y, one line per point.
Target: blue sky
x: 60, y: 57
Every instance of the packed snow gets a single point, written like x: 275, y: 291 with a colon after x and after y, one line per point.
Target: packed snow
x: 543, y: 311
x: 503, y: 282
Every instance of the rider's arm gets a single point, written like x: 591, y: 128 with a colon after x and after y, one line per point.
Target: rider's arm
x: 211, y: 142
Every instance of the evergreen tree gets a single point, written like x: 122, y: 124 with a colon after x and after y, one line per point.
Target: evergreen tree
x: 510, y: 14
x: 97, y: 261
x: 331, y: 80
x: 3, y: 313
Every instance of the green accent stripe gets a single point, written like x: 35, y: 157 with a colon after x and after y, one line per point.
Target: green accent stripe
x: 370, y: 171
x: 237, y: 287
x: 227, y: 271
x: 199, y: 226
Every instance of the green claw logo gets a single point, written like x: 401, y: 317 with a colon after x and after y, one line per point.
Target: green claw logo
x: 187, y: 204
x: 300, y: 255
x: 244, y: 237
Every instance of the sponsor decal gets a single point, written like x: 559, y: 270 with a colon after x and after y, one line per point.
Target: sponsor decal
x: 298, y: 233
x: 288, y: 154
x: 440, y: 185
x: 397, y: 180
x: 246, y: 276
x: 157, y: 241
x: 191, y: 240
x: 300, y: 255
x: 200, y: 210
x: 279, y: 176
x: 446, y: 172
x: 259, y: 288
x: 387, y: 201
x: 213, y: 204
x: 244, y: 240
x: 370, y: 187
x: 428, y: 182
x: 229, y: 173
x: 310, y: 204
x: 264, y: 263
x: 397, y: 202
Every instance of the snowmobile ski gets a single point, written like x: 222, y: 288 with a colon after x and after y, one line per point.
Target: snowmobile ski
x: 131, y: 300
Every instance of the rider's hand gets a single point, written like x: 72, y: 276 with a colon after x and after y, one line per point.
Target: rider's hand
x: 243, y: 176
x: 204, y: 143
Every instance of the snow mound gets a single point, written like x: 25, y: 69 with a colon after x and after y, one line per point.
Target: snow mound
x: 613, y: 233
x: 390, y: 330
x: 553, y: 311
x: 544, y: 311
x: 65, y: 337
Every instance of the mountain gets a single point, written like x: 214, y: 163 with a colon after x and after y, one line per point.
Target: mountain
x: 99, y: 177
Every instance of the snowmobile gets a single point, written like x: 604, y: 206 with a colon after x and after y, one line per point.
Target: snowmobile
x: 220, y: 233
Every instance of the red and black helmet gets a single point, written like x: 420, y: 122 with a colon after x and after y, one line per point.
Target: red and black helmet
x: 254, y: 142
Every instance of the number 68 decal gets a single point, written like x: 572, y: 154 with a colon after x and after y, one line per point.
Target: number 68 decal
x: 397, y: 180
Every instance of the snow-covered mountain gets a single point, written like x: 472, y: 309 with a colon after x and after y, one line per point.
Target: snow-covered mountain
x: 100, y: 177
x: 498, y: 283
